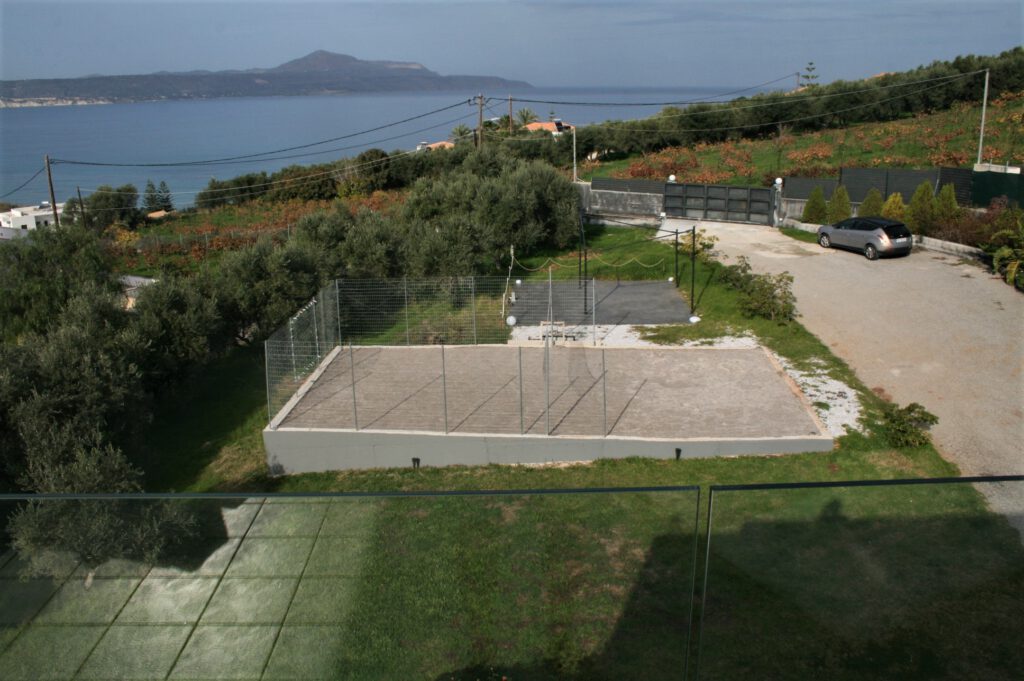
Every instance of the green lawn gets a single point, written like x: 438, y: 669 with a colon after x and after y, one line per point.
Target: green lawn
x: 822, y: 582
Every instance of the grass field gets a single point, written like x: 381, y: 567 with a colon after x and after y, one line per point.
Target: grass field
x: 943, y: 139
x: 833, y: 582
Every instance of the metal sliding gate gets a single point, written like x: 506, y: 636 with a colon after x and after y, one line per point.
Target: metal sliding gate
x: 719, y: 202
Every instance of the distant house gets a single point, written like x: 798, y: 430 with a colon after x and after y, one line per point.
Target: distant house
x: 20, y: 221
x: 158, y: 214
x: 555, y: 127
x: 433, y: 146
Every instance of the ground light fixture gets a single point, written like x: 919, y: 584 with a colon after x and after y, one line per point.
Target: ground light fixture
x: 511, y: 320
x: 694, y: 319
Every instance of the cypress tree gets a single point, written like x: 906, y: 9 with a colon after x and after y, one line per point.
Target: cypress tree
x: 921, y: 212
x: 815, y: 209
x: 839, y: 205
x: 164, y: 195
x: 150, y: 199
x: 893, y: 208
x: 871, y: 207
x: 947, y: 212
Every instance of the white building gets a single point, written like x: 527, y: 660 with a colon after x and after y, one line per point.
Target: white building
x: 18, y: 221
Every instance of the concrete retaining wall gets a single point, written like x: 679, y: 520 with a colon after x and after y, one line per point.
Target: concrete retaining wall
x: 296, y: 450
x: 603, y: 202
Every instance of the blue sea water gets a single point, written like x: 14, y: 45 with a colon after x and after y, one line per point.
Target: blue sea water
x: 192, y: 130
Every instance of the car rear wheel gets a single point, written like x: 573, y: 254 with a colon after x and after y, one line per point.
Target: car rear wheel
x: 825, y: 241
x: 870, y: 252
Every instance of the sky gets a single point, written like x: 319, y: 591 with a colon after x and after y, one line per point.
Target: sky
x: 555, y: 43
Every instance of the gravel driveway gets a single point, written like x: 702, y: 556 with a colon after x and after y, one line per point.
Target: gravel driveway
x: 926, y: 328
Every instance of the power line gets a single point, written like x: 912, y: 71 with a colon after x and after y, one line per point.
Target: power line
x: 262, y: 153
x: 24, y: 184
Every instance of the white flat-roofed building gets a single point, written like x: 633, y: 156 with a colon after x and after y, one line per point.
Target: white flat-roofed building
x: 19, y: 221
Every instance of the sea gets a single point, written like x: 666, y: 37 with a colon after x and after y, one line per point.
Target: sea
x: 187, y: 131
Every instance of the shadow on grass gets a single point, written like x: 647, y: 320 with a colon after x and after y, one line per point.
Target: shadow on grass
x: 206, y: 432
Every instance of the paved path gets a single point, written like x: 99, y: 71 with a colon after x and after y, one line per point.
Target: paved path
x: 926, y: 328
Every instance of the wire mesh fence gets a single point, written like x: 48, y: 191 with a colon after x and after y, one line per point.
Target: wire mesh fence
x: 449, y: 311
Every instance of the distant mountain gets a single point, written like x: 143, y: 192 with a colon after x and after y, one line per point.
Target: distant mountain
x: 318, y: 73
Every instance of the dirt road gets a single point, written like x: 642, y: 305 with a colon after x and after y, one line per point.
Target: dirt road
x: 926, y: 328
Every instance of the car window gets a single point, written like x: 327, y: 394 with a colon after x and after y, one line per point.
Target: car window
x: 865, y: 226
x: 845, y: 224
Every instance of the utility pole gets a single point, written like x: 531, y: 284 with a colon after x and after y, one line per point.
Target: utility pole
x: 510, y: 115
x: 81, y: 206
x: 984, y: 102
x: 53, y: 202
x: 480, y: 121
x: 575, y: 178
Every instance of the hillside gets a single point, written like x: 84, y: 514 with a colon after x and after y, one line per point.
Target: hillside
x: 944, y: 139
x: 318, y: 73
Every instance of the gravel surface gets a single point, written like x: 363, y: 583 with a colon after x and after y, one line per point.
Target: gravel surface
x: 927, y: 328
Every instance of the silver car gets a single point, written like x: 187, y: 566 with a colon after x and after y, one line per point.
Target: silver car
x: 871, y: 236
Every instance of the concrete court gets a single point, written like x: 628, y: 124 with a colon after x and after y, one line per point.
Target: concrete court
x: 927, y: 328
x: 647, y: 393
x: 625, y: 302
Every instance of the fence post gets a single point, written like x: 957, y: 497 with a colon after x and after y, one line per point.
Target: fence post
x: 604, y: 396
x: 593, y: 307
x: 547, y: 384
x: 291, y: 346
x: 405, y: 294
x: 352, y: 368
x: 472, y: 285
x: 337, y: 308
x: 520, y: 389
x: 316, y: 332
x: 444, y: 390
x: 266, y: 363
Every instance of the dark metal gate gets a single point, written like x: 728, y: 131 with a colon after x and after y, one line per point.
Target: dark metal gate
x: 719, y: 202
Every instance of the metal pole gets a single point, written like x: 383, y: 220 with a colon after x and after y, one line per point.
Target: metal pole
x: 405, y: 290
x: 521, y: 390
x: 575, y: 177
x: 81, y: 207
x: 337, y: 308
x: 604, y: 396
x: 291, y: 344
x: 547, y: 384
x: 693, y: 268
x: 676, y: 279
x: 593, y: 307
x: 316, y: 333
x: 984, y: 103
x: 266, y: 363
x: 352, y: 368
x: 704, y: 588
x: 472, y: 283
x: 444, y: 390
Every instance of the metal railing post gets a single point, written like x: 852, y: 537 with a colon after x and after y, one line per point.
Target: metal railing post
x: 593, y: 307
x: 266, y: 363
x: 316, y: 332
x: 444, y: 390
x: 547, y: 385
x: 291, y: 346
x: 352, y: 368
x: 337, y: 308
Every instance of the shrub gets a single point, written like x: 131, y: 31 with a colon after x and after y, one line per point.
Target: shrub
x: 905, y: 426
x: 761, y: 295
x: 894, y: 208
x: 1008, y: 253
x: 839, y: 205
x: 872, y: 204
x: 947, y: 212
x: 815, y: 209
x: 920, y: 216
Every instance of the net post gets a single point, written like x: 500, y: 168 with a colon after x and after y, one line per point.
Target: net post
x: 405, y: 293
x: 316, y: 332
x: 444, y: 390
x: 352, y: 369
x: 472, y: 287
x: 593, y: 307
x: 291, y: 346
x: 337, y: 308
x: 547, y: 383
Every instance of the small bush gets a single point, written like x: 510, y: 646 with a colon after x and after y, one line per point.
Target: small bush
x: 839, y: 205
x: 815, y: 209
x: 894, y: 208
x: 905, y: 426
x: 871, y: 207
x: 761, y: 295
x: 947, y: 212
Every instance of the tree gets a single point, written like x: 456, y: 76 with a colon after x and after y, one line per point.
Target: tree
x: 809, y: 77
x: 920, y: 216
x: 815, y: 210
x: 839, y: 206
x: 108, y: 205
x: 524, y: 117
x: 872, y: 204
x: 894, y: 208
x: 947, y: 212
x: 164, y: 195
x: 150, y: 198
x: 461, y: 133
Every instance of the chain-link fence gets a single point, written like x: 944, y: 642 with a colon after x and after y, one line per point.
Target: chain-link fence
x: 422, y: 312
